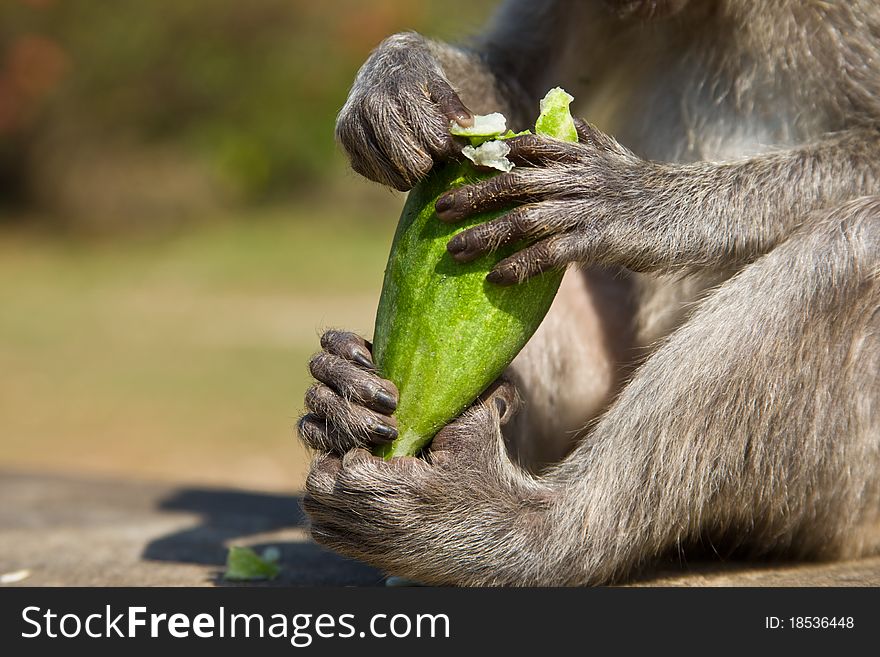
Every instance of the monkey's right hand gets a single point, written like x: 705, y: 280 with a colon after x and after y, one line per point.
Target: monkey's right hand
x: 395, y: 123
x: 351, y: 405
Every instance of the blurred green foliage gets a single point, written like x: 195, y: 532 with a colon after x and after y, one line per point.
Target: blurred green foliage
x: 246, y: 93
x: 182, y: 354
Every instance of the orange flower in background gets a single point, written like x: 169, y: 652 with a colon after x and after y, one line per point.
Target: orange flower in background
x: 362, y: 27
x: 32, y: 67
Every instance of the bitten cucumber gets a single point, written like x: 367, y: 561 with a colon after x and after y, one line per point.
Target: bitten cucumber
x: 443, y: 333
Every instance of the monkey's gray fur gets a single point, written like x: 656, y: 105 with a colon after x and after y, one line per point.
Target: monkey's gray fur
x: 716, y: 339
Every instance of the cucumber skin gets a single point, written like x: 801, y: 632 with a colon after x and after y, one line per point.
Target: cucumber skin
x: 443, y: 333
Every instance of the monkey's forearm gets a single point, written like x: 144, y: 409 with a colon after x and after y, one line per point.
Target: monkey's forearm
x: 727, y: 214
x: 595, y: 202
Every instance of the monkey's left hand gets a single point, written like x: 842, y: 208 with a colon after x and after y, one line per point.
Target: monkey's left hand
x: 450, y: 519
x: 587, y: 202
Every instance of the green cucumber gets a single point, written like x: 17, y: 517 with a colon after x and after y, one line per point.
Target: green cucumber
x: 443, y: 333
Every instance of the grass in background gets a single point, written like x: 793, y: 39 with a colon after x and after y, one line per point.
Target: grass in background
x: 180, y: 359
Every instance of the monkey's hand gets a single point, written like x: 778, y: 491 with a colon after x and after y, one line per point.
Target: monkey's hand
x: 465, y: 515
x: 350, y: 405
x: 395, y: 123
x: 585, y: 202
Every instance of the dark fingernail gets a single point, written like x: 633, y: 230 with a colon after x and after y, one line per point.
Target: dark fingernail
x: 384, y: 431
x: 386, y: 400
x: 457, y: 244
x: 495, y: 277
x: 458, y: 249
x: 360, y: 357
x: 464, y: 119
x: 444, y: 203
x: 501, y: 405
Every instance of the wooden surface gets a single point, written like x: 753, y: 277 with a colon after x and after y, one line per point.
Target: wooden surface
x: 64, y: 531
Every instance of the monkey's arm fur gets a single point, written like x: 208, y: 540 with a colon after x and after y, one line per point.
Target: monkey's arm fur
x: 594, y: 202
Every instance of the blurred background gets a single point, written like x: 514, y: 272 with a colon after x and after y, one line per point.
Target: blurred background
x: 177, y: 227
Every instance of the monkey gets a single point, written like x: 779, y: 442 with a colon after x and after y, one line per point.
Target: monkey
x: 708, y: 376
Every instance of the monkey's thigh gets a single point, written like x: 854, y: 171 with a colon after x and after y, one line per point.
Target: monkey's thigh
x: 759, y: 418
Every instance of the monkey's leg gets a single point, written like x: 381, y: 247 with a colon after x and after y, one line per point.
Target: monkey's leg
x: 757, y: 421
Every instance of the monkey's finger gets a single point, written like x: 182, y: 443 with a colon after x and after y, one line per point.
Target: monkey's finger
x: 431, y: 130
x: 504, y: 397
x: 401, y: 147
x: 366, y: 152
x: 362, y: 480
x: 374, y: 479
x: 363, y: 472
x: 585, y: 131
x: 384, y: 148
x: 322, y: 476
x: 377, y: 167
x: 338, y: 528
x: 548, y: 254
x: 535, y: 149
x: 354, y: 383
x: 348, y: 345
x: 318, y: 434
x: 334, y: 532
x: 326, y: 525
x: 592, y: 136
x: 470, y: 436
x: 363, y: 426
x: 527, y: 222
x: 500, y: 191
x: 449, y: 103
